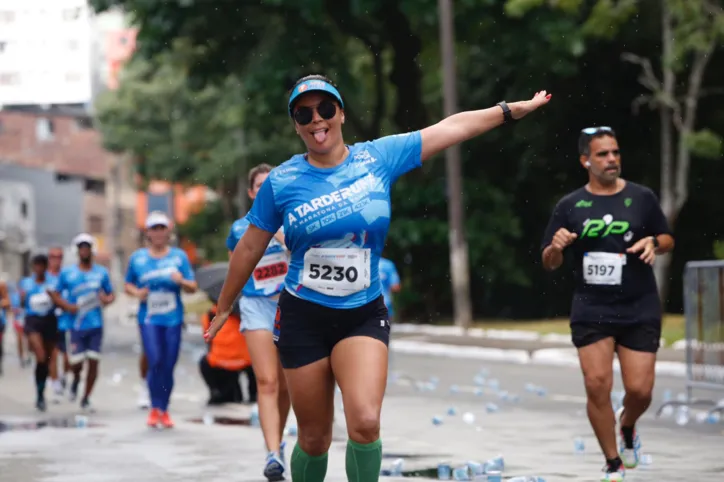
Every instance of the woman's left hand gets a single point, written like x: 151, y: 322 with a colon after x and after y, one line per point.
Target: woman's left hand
x: 527, y: 106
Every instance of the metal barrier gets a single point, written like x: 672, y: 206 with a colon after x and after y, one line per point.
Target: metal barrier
x: 704, y: 317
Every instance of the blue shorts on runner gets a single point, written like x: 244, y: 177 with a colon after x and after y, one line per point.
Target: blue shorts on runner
x: 85, y: 344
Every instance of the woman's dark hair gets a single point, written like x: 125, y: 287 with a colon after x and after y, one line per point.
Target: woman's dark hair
x: 39, y: 259
x: 255, y: 171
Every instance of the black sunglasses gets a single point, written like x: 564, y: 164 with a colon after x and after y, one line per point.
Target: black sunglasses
x: 592, y: 131
x: 326, y: 110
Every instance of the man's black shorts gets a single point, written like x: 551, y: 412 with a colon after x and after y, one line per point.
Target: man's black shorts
x: 46, y: 325
x: 305, y: 332
x: 636, y: 336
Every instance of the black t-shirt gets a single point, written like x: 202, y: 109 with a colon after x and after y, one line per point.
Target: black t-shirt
x: 611, y: 285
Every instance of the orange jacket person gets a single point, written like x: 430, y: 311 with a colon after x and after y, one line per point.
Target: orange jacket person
x: 228, y: 356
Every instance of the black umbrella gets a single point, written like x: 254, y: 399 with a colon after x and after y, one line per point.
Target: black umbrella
x: 210, y: 280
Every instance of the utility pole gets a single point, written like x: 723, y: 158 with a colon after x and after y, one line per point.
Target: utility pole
x: 460, y: 274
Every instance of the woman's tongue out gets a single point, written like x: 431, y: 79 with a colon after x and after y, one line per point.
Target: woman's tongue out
x: 320, y: 136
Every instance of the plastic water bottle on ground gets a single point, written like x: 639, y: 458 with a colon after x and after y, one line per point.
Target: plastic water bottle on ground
x: 494, y: 476
x: 476, y: 468
x: 579, y: 446
x: 444, y: 471
x: 713, y: 418
x: 496, y: 464
x: 81, y: 421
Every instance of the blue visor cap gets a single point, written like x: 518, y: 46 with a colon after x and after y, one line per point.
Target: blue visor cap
x: 314, y: 86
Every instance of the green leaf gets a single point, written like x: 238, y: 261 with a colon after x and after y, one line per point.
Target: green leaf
x: 705, y: 143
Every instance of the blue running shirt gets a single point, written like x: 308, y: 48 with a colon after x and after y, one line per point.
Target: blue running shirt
x: 388, y: 278
x: 37, y: 300
x: 336, y: 219
x: 268, y: 276
x: 163, y: 306
x: 83, y: 288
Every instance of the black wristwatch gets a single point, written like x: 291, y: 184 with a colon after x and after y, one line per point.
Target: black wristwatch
x: 507, y: 115
x: 656, y: 242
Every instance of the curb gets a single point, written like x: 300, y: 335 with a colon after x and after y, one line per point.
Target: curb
x: 566, y: 357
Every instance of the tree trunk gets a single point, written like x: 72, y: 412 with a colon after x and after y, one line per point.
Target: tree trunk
x: 661, y: 268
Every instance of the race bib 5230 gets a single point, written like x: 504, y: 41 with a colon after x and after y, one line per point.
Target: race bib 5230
x: 603, y: 268
x: 337, y: 271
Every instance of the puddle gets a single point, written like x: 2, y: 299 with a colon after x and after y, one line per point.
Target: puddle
x: 40, y: 424
x: 217, y: 420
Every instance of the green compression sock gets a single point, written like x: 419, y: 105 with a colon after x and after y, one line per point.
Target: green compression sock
x: 364, y: 461
x: 306, y: 468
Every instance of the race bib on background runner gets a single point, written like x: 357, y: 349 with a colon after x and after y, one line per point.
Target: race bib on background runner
x: 603, y: 268
x: 160, y: 303
x: 40, y: 303
x: 337, y: 271
x: 271, y: 271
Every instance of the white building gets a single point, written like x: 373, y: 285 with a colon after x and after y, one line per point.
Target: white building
x: 52, y: 52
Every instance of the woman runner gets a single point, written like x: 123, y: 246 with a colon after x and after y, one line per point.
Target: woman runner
x: 331, y: 322
x: 41, y: 324
x: 156, y: 275
x: 258, y: 307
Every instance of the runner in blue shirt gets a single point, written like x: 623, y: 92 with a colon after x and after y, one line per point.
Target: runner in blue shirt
x: 156, y: 275
x: 258, y: 307
x: 89, y: 290
x: 4, y: 309
x: 390, y: 280
x: 331, y: 321
x: 41, y: 325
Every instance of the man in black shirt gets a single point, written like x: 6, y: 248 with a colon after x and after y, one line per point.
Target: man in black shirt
x: 612, y: 230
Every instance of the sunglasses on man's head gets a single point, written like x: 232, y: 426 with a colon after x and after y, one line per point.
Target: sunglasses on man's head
x: 304, y: 115
x: 592, y: 131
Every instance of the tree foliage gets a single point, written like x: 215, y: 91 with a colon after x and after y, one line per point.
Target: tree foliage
x: 385, y: 56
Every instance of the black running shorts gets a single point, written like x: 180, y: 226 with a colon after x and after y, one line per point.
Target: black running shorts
x: 637, y: 336
x: 46, y: 325
x: 305, y: 332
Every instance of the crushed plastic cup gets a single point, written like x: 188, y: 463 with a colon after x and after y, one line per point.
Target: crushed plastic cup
x: 475, y: 468
x: 397, y: 467
x: 682, y: 416
x: 468, y: 417
x: 701, y: 417
x: 484, y: 372
x: 646, y: 459
x: 494, y: 476
x: 530, y: 388
x: 444, y: 471
x: 504, y: 396
x: 494, y: 383
x: 579, y: 446
x: 495, y: 464
x: 437, y: 420
x: 479, y: 380
x: 713, y: 418
x: 491, y: 408
x: 541, y: 392
x: 81, y: 421
x: 462, y: 473
x: 478, y: 392
x: 292, y: 430
x: 434, y: 380
x: 452, y: 411
x: 208, y: 419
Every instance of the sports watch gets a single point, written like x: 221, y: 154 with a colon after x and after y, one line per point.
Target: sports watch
x: 507, y: 115
x: 655, y: 241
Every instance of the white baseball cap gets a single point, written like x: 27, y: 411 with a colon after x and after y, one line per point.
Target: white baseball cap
x: 157, y: 218
x: 84, y: 238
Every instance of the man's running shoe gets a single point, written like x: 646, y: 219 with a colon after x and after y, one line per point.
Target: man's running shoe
x: 166, y: 420
x: 58, y: 387
x: 613, y: 475
x: 40, y: 405
x: 85, y: 405
x: 274, y: 468
x: 73, y: 393
x: 629, y: 456
x: 154, y: 417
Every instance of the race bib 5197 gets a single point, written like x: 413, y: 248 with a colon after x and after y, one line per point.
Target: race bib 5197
x: 603, y: 268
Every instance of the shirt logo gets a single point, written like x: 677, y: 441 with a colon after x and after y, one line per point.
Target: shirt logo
x: 584, y: 204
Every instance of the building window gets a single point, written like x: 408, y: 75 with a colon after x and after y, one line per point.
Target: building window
x: 44, y: 129
x: 95, y: 186
x: 95, y: 224
x: 84, y: 122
